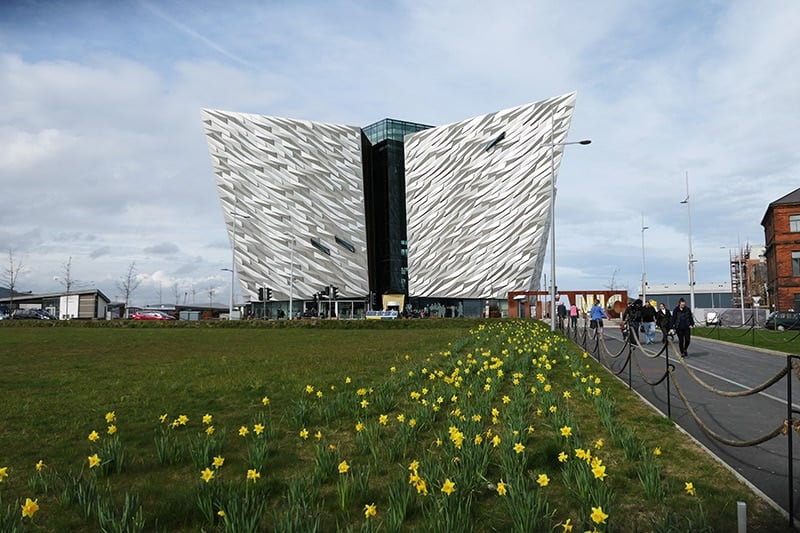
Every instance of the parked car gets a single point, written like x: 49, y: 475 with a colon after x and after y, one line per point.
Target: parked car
x: 713, y: 319
x: 151, y: 315
x: 781, y: 320
x: 34, y: 314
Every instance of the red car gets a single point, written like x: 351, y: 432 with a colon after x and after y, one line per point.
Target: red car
x: 151, y: 315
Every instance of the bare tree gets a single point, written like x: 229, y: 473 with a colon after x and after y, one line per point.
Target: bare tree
x: 211, y: 291
x: 613, y: 284
x: 10, y: 275
x: 68, y: 282
x: 177, y: 293
x: 128, y: 283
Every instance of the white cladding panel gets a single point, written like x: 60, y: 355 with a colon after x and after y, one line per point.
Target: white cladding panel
x: 282, y: 181
x: 478, y: 219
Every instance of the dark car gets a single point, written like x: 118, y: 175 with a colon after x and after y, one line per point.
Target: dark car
x: 151, y: 315
x: 32, y: 314
x: 781, y: 320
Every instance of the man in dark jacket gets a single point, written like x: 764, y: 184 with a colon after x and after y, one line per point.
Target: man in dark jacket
x: 649, y: 322
x: 682, y: 323
x: 633, y: 317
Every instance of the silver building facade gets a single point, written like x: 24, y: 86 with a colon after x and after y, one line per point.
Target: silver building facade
x: 469, y: 203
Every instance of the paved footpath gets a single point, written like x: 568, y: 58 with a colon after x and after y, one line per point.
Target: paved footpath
x: 731, y: 368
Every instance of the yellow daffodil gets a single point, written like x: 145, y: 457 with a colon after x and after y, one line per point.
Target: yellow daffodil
x: 218, y: 461
x: 343, y: 467
x: 40, y: 466
x: 162, y: 418
x: 531, y: 429
x: 370, y: 510
x: 519, y: 447
x: 112, y: 429
x: 30, y: 507
x: 207, y: 419
x: 598, y: 516
x: 318, y: 435
x: 599, y: 472
x: 496, y: 440
x: 383, y: 419
x: 567, y: 395
x: 359, y: 427
x: 364, y: 404
x: 401, y: 418
x: 3, y: 473
x: 221, y: 513
x: 478, y: 440
x: 304, y: 433
x: 210, y: 430
x: 110, y: 417
x: 449, y: 487
x: 207, y: 475
x: 562, y: 457
x: 259, y: 429
x: 94, y: 461
x: 253, y: 475
x: 553, y: 409
x: 543, y: 480
x: 265, y: 400
x: 243, y: 431
x: 393, y: 369
x: 506, y: 400
x: 309, y: 389
x: 566, y: 526
x: 689, y: 487
x: 183, y: 420
x: 502, y: 488
x: 657, y: 451
x: 94, y: 436
x: 566, y: 431
x: 412, y: 422
x: 598, y: 444
x: 319, y: 393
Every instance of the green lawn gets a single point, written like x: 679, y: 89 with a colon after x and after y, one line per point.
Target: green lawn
x: 508, y: 388
x: 779, y: 341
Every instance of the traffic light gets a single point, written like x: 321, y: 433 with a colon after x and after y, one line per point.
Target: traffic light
x: 261, y: 294
x: 327, y: 291
x: 334, y: 292
x: 269, y: 294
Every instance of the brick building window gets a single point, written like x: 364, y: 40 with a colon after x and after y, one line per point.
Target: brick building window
x: 795, y: 263
x: 794, y: 223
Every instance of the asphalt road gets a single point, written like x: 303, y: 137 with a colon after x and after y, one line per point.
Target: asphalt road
x: 730, y: 368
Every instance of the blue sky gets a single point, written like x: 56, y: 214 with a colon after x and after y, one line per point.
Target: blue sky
x: 104, y: 158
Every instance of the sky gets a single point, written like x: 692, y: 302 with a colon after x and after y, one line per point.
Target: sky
x: 104, y: 164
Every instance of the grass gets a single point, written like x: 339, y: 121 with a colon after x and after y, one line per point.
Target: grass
x: 779, y: 341
x: 59, y: 382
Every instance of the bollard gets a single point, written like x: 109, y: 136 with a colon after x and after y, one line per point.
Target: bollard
x: 741, y: 516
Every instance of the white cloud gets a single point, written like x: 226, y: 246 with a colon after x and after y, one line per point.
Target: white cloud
x: 105, y: 157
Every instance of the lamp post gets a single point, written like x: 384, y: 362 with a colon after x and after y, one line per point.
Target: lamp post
x: 691, y: 255
x: 553, y: 145
x: 234, y: 216
x: 644, y: 274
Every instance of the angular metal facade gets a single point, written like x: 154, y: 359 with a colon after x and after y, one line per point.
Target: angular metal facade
x: 478, y: 217
x: 477, y: 211
x: 293, y: 201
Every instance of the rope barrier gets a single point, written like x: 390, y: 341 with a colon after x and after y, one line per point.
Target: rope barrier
x: 644, y: 378
x: 711, y: 433
x: 730, y: 394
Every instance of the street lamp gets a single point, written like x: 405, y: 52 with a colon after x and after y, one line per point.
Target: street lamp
x: 691, y: 255
x: 553, y: 145
x: 234, y: 216
x: 644, y: 275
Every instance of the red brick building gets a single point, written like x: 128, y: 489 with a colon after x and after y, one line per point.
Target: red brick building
x: 782, y: 238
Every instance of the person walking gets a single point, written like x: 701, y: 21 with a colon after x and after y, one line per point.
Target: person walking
x: 573, y: 316
x: 664, y: 321
x: 649, y: 322
x: 561, y: 312
x: 682, y: 324
x: 597, y: 314
x: 633, y: 316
